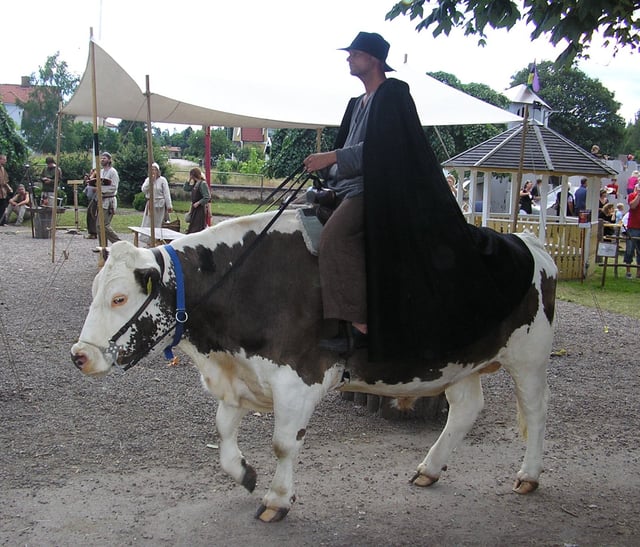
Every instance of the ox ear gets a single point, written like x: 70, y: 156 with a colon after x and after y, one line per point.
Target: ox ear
x: 148, y: 279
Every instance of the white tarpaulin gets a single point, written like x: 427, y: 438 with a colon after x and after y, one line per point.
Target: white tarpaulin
x: 216, y: 102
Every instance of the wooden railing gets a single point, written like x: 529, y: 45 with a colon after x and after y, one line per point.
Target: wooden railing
x: 563, y: 241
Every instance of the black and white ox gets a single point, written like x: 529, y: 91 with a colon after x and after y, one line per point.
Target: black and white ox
x: 252, y: 329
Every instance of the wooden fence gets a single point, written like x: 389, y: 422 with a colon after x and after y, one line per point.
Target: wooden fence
x: 564, y: 242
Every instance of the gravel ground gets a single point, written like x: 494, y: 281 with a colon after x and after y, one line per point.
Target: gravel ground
x: 130, y: 459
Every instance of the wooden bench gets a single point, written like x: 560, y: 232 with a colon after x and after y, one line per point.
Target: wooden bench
x: 162, y: 235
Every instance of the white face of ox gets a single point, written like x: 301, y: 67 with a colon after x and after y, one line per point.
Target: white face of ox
x: 118, y: 293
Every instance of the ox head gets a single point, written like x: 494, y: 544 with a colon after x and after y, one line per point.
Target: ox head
x: 126, y: 317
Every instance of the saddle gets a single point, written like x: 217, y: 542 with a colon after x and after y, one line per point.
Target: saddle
x: 322, y: 199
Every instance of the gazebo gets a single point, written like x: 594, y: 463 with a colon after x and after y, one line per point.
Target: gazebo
x: 543, y: 153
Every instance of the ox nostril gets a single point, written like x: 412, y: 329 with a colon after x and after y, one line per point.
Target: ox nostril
x: 79, y: 359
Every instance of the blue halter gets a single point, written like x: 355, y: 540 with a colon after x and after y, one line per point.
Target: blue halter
x: 181, y: 312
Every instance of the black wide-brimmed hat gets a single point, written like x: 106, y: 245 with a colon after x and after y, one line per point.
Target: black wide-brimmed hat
x: 373, y: 44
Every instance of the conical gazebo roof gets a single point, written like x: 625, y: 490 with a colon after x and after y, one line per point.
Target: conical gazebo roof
x: 545, y: 152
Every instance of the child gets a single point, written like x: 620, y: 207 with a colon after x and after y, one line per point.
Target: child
x: 619, y: 213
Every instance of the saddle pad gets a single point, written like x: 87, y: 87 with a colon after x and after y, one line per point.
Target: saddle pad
x: 310, y: 227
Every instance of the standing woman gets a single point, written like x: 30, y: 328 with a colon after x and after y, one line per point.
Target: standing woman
x: 526, y: 198
x: 200, y: 198
x: 162, y: 205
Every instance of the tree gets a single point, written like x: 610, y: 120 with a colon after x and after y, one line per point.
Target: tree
x: 13, y: 146
x: 575, y: 22
x: 221, y: 146
x: 631, y: 141
x: 584, y: 111
x: 39, y: 121
x: 290, y: 146
x: 78, y: 136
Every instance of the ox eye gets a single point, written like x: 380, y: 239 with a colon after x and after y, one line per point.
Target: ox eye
x: 119, y: 300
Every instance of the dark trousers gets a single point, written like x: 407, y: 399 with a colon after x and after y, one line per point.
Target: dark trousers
x: 92, y: 217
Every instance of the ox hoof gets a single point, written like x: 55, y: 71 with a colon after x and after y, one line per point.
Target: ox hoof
x: 268, y: 514
x: 250, y: 477
x: 524, y: 487
x: 423, y: 480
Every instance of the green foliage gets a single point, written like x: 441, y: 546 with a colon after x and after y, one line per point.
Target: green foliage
x: 78, y: 136
x: 132, y: 165
x: 223, y: 168
x: 254, y: 164
x: 12, y: 145
x: 560, y: 21
x: 139, y: 201
x: 584, y: 111
x: 74, y: 166
x: 221, y: 145
x: 39, y: 120
x: 289, y: 147
x: 631, y: 141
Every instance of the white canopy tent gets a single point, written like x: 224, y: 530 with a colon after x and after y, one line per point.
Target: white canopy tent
x: 253, y: 104
x: 217, y: 102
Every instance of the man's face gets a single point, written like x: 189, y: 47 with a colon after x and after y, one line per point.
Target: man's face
x: 3, y: 160
x: 104, y: 161
x: 360, y: 62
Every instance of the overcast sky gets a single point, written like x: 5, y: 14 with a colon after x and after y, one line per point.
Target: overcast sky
x: 271, y: 39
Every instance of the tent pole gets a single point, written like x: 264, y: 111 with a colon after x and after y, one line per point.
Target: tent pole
x: 56, y: 182
x: 516, y: 190
x: 150, y: 202
x: 96, y: 151
x: 207, y: 167
x: 319, y: 139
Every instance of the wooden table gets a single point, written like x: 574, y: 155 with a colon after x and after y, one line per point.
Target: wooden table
x: 162, y: 235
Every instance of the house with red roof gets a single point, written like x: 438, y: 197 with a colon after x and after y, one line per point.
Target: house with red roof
x: 10, y: 94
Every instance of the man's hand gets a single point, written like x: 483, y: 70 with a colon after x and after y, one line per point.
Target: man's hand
x: 316, y: 162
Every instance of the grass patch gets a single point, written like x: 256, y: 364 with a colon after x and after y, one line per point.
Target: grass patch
x: 618, y: 295
x: 126, y: 217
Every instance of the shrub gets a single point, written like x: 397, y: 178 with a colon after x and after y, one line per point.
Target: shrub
x: 139, y: 201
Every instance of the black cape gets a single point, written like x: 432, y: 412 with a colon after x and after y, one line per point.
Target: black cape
x: 435, y: 283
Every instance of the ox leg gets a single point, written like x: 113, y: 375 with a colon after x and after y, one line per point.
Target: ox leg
x: 465, y: 403
x: 228, y: 420
x: 532, y: 394
x: 292, y: 411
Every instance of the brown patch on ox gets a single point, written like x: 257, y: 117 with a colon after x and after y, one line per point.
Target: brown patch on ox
x: 490, y: 368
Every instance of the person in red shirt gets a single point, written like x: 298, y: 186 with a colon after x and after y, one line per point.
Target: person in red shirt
x: 633, y: 231
x: 612, y: 188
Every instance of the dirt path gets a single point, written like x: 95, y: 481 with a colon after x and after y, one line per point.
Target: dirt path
x: 131, y: 459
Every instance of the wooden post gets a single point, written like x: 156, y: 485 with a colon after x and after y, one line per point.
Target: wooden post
x: 96, y: 151
x: 75, y: 184
x: 150, y: 202
x: 56, y: 181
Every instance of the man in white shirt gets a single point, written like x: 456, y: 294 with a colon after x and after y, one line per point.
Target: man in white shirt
x: 110, y: 181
